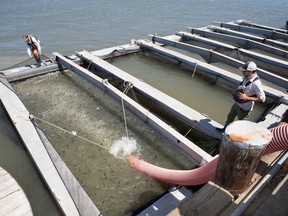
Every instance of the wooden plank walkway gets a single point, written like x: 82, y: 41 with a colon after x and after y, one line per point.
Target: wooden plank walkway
x: 209, y: 200
x: 13, y: 200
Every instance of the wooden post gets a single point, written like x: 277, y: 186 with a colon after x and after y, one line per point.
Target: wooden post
x: 242, y: 147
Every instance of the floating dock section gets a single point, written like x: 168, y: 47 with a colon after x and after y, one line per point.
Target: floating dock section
x: 166, y: 102
x: 22, y: 121
x: 211, y: 56
x: 207, y: 68
x: 189, y: 148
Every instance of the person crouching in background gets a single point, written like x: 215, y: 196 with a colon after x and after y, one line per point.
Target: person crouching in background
x: 33, y: 47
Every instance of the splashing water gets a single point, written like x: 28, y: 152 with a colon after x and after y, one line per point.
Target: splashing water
x: 123, y: 147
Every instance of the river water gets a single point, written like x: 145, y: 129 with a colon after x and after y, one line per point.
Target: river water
x: 67, y: 26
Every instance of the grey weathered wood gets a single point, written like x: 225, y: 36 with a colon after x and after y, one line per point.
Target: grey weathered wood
x: 278, y: 65
x: 274, y: 116
x: 83, y: 202
x: 211, y: 56
x: 207, y: 68
x: 20, y: 73
x: 13, y: 200
x: 19, y: 115
x: 188, y: 147
x: 116, y: 51
x: 209, y: 200
x: 243, y: 144
x: 249, y: 36
x: 254, y: 30
x: 182, y: 111
x: 202, y: 33
x: 168, y: 202
x: 252, y: 24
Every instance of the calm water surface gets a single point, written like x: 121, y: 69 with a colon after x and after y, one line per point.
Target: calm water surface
x: 67, y: 26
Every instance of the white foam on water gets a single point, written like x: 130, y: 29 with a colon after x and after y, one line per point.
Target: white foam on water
x: 123, y: 147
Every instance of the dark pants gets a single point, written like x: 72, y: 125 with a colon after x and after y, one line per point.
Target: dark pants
x: 237, y: 111
x: 38, y: 60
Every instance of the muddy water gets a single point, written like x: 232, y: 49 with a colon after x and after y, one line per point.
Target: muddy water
x: 195, y: 91
x: 67, y: 101
x: 93, y: 25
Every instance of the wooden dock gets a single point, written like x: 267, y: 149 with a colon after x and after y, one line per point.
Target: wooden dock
x: 13, y: 200
x: 29, y: 136
x: 65, y: 189
x: 240, y: 44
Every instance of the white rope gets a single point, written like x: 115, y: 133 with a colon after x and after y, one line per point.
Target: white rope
x: 66, y: 131
x: 238, y: 54
x: 128, y: 86
x: 188, y: 132
x: 89, y: 64
x: 124, y: 116
x: 194, y: 71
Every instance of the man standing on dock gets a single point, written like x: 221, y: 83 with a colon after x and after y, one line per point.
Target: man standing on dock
x: 33, y: 47
x: 248, y: 92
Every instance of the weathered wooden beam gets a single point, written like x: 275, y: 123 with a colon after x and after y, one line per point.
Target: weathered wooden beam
x: 249, y: 36
x: 243, y: 42
x: 203, y: 52
x: 269, y: 63
x: 207, y: 68
x: 185, y: 145
x: 243, y: 144
x: 82, y: 201
x: 212, y: 56
x: 274, y: 116
x: 19, y: 116
x: 271, y: 34
x: 252, y: 24
x: 21, y: 73
x: 116, y: 51
x: 209, y: 200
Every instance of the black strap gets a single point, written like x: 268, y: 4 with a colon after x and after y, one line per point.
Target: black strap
x: 32, y: 42
x: 236, y: 92
x: 249, y: 82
